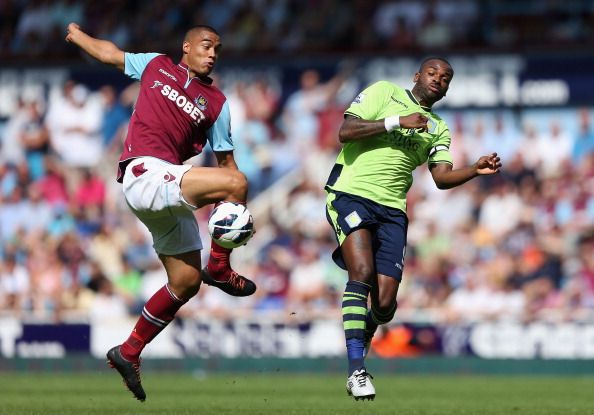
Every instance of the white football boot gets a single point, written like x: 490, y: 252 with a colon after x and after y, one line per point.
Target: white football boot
x: 359, y: 385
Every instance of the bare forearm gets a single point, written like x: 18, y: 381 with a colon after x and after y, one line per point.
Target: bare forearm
x: 104, y: 51
x: 458, y: 177
x: 453, y: 178
x: 446, y: 178
x: 354, y: 129
x: 226, y: 160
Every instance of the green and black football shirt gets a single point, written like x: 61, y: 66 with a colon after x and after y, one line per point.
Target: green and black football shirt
x: 380, y: 168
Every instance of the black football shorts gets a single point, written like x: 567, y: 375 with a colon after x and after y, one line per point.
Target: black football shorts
x: 347, y: 213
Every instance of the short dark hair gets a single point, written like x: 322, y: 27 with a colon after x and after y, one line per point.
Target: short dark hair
x: 432, y: 58
x: 199, y: 28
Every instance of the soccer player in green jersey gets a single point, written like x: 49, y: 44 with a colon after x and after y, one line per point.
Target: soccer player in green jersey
x: 387, y: 132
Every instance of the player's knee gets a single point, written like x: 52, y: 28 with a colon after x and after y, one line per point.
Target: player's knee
x: 385, y: 310
x: 386, y: 303
x: 363, y: 272
x: 238, y: 184
x: 187, y: 285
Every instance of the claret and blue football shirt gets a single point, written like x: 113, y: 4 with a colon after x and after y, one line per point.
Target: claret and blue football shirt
x: 175, y: 114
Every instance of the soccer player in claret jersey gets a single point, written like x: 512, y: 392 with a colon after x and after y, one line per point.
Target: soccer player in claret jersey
x: 178, y: 110
x: 387, y: 132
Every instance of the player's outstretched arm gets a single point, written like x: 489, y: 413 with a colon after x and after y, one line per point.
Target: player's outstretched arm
x: 445, y: 177
x: 354, y: 129
x: 102, y: 50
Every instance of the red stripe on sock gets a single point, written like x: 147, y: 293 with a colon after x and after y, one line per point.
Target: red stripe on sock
x: 162, y: 306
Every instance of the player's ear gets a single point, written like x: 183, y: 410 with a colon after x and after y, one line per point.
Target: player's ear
x: 416, y: 77
x: 186, y: 47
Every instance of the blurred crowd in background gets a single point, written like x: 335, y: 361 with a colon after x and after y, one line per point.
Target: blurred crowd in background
x: 35, y: 28
x: 516, y: 246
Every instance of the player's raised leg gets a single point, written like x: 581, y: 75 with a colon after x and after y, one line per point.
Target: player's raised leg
x: 383, y: 307
x: 206, y: 185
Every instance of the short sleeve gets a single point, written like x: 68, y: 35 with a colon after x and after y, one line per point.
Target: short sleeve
x: 368, y: 104
x: 135, y: 63
x: 440, y: 150
x: 219, y: 134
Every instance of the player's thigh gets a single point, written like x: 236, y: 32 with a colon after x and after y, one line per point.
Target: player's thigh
x: 205, y: 185
x: 391, y: 235
x: 353, y: 221
x: 357, y: 252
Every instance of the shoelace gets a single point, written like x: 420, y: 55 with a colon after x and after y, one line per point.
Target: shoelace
x: 236, y: 280
x: 362, y: 378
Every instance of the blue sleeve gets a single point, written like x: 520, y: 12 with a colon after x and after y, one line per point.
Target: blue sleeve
x: 134, y: 63
x: 219, y: 135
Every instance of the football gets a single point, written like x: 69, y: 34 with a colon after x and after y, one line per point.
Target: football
x: 230, y: 225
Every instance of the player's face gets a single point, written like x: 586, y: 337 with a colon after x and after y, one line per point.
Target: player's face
x: 433, y: 81
x: 201, y: 52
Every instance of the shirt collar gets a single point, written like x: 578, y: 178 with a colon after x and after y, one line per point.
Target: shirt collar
x: 207, y: 80
x: 413, y: 99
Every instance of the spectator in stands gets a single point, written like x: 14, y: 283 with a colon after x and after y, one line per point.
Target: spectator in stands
x: 106, y: 305
x: 33, y: 28
x: 585, y: 251
x: 300, y: 116
x: 554, y: 149
x: 53, y: 184
x: 38, y: 213
x: 11, y: 146
x: 530, y: 139
x: 252, y: 134
x: 435, y: 34
x: 12, y: 214
x: 15, y: 286
x: 328, y: 27
x: 48, y: 281
x: 503, y: 200
x: 307, y: 286
x: 35, y: 138
x: 114, y: 121
x: 74, y: 122
x: 273, y: 270
x: 584, y: 140
x: 504, y: 135
x: 90, y: 191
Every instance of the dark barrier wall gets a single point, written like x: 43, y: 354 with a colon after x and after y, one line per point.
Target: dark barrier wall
x: 188, y: 338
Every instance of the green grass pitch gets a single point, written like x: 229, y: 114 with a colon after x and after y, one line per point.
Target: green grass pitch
x: 102, y: 393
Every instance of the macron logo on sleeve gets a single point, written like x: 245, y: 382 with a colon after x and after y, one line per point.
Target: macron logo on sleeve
x: 167, y: 74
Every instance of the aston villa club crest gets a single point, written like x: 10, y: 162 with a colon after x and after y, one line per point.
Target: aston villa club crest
x: 201, y: 103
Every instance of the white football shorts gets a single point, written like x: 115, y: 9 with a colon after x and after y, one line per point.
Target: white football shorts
x: 153, y: 192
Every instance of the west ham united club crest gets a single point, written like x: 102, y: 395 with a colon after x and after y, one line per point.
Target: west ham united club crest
x: 201, y: 103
